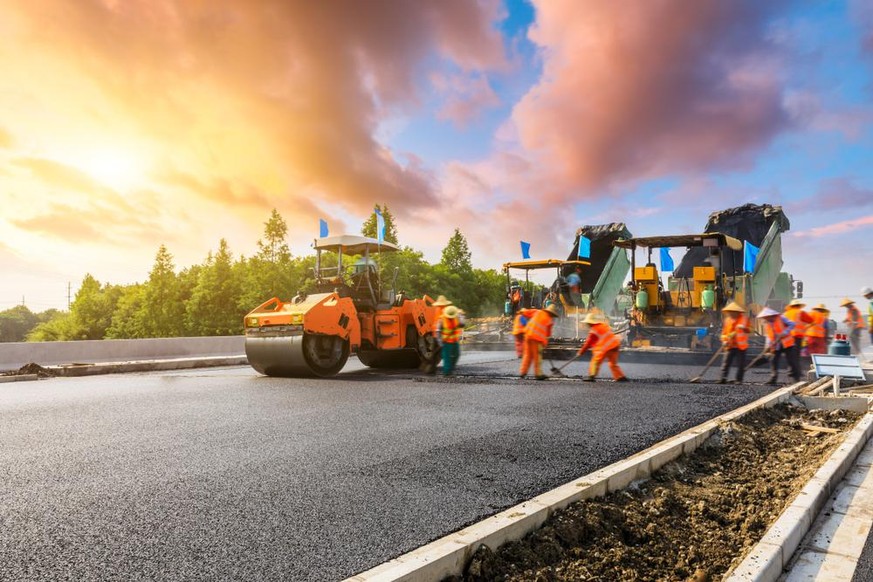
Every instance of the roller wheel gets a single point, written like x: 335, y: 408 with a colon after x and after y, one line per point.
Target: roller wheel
x: 325, y: 354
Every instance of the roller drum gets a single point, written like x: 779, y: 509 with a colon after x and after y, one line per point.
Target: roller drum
x: 294, y: 356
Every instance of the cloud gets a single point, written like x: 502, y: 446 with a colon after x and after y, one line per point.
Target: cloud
x: 837, y: 228
x: 5, y: 139
x: 663, y: 88
x: 60, y: 176
x: 834, y: 194
x: 465, y: 97
x: 807, y: 110
x: 298, y: 86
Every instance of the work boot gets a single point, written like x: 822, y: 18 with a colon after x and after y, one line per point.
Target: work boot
x: 622, y: 379
x: 589, y: 379
x: 542, y: 377
x: 721, y: 381
x: 771, y: 381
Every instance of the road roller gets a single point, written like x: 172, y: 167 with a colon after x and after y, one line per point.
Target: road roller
x: 350, y: 312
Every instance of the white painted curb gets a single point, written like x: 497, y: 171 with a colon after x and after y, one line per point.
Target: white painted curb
x: 448, y: 555
x: 770, y: 556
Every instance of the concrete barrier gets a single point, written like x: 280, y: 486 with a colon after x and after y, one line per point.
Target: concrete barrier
x: 13, y: 355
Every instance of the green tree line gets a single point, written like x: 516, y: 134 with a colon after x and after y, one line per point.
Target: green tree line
x: 211, y: 298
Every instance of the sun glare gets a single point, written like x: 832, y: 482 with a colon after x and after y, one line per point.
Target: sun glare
x: 115, y: 168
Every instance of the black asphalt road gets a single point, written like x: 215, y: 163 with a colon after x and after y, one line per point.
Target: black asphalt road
x: 224, y: 474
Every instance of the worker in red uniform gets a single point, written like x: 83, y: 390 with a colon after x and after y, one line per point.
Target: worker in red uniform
x: 449, y: 331
x: 536, y: 338
x: 817, y: 331
x: 519, y: 322
x: 777, y: 329
x: 735, y: 339
x: 604, y: 345
x: 855, y: 322
x: 801, y: 319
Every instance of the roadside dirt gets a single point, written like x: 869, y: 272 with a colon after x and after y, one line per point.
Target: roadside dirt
x: 30, y: 369
x: 694, y: 520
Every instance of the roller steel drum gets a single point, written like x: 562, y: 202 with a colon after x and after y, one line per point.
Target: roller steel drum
x: 298, y: 355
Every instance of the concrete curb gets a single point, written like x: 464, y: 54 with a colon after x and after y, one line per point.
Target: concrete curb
x: 773, y: 553
x: 448, y: 555
x: 73, y: 370
x: 19, y: 378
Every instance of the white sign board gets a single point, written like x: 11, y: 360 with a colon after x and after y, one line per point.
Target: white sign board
x: 842, y: 366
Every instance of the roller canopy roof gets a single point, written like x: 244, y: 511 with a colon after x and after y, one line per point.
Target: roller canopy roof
x: 353, y: 245
x: 713, y: 239
x: 542, y: 264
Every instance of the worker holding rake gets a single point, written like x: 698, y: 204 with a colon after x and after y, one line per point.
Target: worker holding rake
x: 536, y: 337
x: 603, y: 345
x: 735, y: 340
x: 777, y: 330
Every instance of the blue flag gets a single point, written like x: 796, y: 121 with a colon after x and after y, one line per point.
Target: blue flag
x: 750, y: 256
x: 525, y: 250
x: 322, y: 227
x: 380, y: 225
x: 584, y: 247
x: 666, y: 260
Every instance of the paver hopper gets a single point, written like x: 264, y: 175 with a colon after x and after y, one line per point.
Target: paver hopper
x: 313, y: 335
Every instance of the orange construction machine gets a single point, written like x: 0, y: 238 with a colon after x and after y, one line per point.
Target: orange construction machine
x: 351, y: 312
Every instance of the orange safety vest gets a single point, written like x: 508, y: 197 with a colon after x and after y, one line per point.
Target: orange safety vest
x: 600, y: 339
x: 450, y: 330
x: 739, y: 327
x: 854, y: 318
x: 539, y: 328
x: 521, y: 319
x: 818, y: 327
x: 775, y: 330
x: 800, y: 318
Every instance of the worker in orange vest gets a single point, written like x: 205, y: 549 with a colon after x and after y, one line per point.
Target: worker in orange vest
x: 518, y: 325
x: 817, y: 331
x: 855, y: 321
x: 735, y: 339
x: 604, y: 345
x: 536, y: 338
x: 777, y: 329
x: 429, y: 365
x: 449, y: 331
x: 794, y: 312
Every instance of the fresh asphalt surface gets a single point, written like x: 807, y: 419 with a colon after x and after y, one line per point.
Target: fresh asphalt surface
x: 225, y: 474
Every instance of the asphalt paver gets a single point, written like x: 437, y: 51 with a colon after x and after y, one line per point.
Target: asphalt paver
x: 225, y: 474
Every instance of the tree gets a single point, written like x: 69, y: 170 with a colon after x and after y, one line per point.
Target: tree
x: 214, y: 305
x: 127, y: 319
x: 369, y: 228
x: 162, y: 311
x: 272, y: 247
x: 456, y: 255
x: 16, y: 323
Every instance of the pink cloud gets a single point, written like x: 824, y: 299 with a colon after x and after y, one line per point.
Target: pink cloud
x: 465, y: 96
x: 834, y: 194
x: 629, y: 94
x: 837, y: 228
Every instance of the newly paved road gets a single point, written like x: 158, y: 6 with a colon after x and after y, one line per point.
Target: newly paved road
x: 224, y: 474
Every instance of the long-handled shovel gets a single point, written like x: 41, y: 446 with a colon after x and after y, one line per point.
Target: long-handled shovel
x: 697, y: 379
x: 559, y: 371
x: 756, y: 360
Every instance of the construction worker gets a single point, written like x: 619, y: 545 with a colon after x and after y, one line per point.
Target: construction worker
x: 794, y: 311
x: 817, y: 331
x: 449, y: 331
x: 777, y: 329
x: 855, y: 322
x: 536, y: 338
x: 867, y: 292
x: 429, y: 365
x: 604, y: 345
x: 735, y: 339
x: 519, y: 323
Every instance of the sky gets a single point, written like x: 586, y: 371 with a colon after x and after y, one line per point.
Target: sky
x: 127, y: 124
